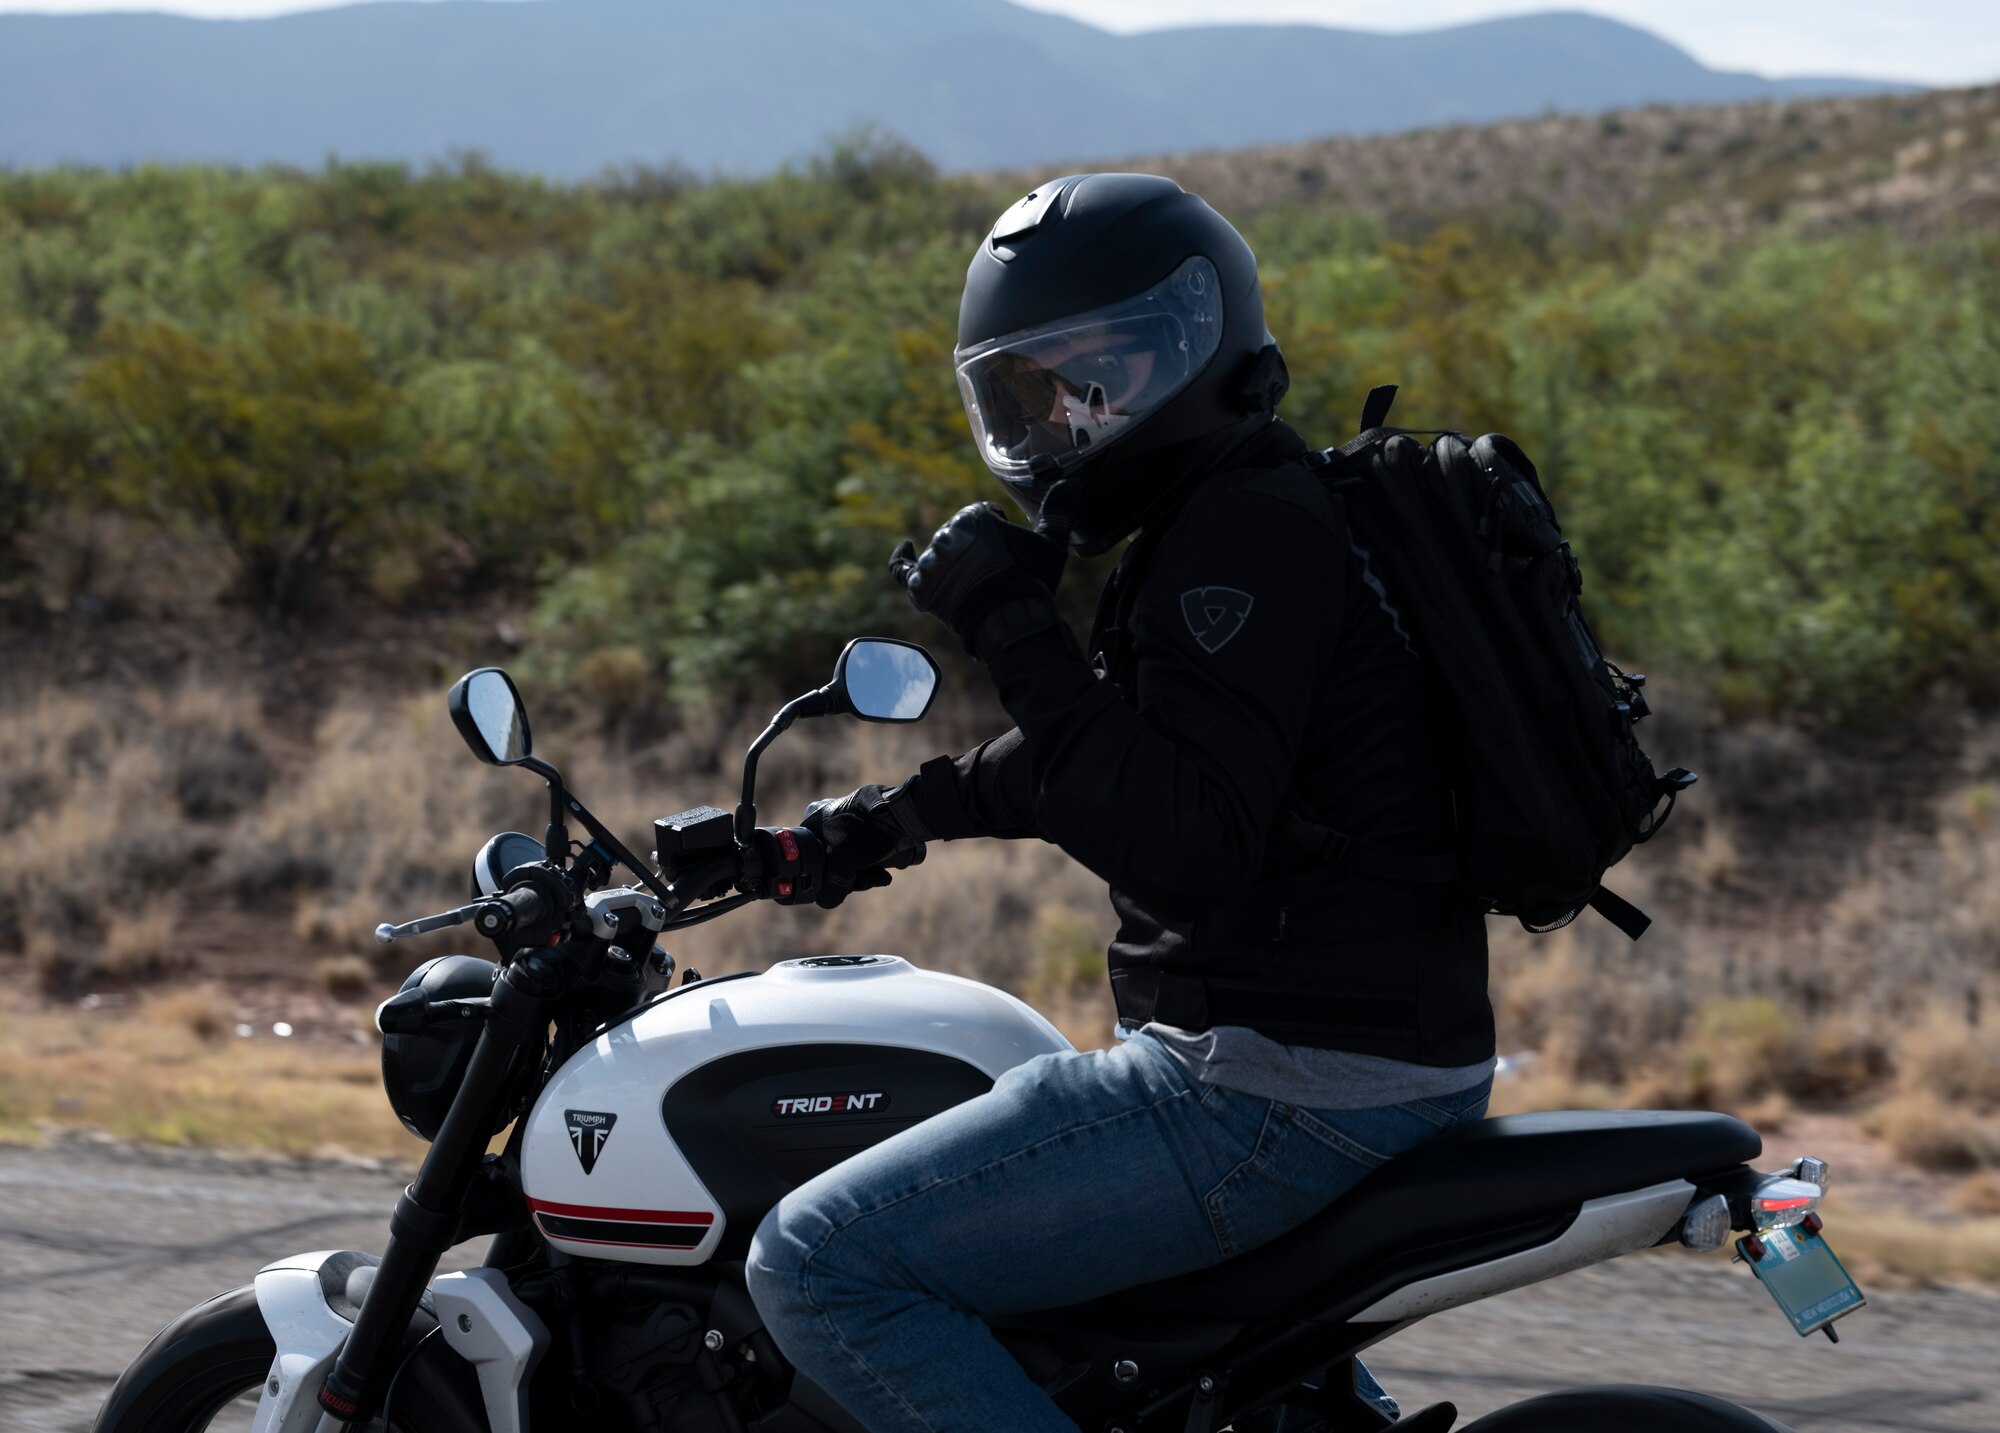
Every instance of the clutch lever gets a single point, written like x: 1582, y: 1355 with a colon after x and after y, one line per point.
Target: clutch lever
x: 444, y: 920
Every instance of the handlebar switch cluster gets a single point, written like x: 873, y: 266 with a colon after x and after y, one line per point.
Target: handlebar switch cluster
x: 790, y: 862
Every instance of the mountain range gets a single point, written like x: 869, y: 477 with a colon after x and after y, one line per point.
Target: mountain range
x: 569, y: 87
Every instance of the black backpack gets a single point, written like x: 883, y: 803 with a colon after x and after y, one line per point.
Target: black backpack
x: 1552, y: 789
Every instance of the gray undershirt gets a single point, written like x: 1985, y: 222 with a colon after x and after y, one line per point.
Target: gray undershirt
x: 1237, y: 1058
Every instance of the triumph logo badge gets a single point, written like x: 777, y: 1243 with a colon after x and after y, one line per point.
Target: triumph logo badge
x: 1214, y: 614
x: 868, y: 1103
x: 589, y: 1131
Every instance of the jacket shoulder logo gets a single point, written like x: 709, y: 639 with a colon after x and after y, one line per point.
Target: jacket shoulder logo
x: 1215, y: 614
x: 589, y: 1131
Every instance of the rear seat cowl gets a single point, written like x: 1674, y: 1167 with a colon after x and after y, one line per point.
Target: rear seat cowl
x: 1493, y: 1175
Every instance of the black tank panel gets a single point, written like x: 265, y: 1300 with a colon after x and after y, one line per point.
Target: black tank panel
x: 757, y: 1124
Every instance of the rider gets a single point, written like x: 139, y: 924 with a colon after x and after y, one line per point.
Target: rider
x: 1250, y: 756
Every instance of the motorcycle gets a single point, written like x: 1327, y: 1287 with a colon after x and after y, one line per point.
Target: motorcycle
x: 653, y: 1124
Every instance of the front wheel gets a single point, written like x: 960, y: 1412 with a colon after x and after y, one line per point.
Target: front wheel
x: 1624, y: 1408
x: 203, y: 1372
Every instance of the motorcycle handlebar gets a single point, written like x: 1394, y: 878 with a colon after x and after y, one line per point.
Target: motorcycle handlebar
x: 784, y: 866
x: 522, y: 906
x: 691, y: 886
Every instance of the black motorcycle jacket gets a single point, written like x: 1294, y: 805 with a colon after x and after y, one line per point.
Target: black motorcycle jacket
x: 1249, y: 689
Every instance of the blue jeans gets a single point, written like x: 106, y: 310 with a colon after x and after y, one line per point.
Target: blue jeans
x: 1078, y: 1174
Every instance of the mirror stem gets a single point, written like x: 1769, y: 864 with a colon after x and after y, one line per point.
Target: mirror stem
x: 555, y: 841
x: 814, y: 703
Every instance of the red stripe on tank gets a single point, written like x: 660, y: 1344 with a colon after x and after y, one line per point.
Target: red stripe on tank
x: 629, y: 1216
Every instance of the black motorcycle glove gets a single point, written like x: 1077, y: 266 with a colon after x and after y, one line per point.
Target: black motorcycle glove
x: 860, y: 831
x: 990, y: 580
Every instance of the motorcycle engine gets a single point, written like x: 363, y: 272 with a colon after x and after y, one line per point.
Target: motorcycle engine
x: 652, y: 1361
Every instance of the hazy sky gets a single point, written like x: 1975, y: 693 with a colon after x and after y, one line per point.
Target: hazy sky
x: 1930, y: 41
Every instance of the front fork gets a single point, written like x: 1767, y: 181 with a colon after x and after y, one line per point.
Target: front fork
x: 428, y: 1216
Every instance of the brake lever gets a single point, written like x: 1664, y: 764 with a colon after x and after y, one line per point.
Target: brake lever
x: 444, y: 920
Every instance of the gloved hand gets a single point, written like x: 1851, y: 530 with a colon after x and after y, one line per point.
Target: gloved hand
x: 859, y: 832
x: 980, y: 565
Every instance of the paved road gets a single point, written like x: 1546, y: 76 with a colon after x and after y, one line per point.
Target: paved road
x: 100, y: 1245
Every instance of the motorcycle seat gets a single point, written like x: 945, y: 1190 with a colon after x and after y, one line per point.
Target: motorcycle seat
x: 1489, y: 1176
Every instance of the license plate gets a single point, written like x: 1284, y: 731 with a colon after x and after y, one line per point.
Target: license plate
x: 1804, y: 1277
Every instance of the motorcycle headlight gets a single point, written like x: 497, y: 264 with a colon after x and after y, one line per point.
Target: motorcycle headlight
x: 421, y: 1072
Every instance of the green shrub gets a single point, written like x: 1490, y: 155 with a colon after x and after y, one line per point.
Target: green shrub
x: 686, y: 419
x: 273, y: 440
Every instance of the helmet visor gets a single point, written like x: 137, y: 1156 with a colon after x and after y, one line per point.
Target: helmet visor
x: 1066, y: 389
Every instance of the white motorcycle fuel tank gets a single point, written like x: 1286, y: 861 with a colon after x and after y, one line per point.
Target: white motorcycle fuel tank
x: 666, y: 1139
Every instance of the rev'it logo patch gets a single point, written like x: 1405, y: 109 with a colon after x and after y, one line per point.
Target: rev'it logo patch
x: 589, y: 1131
x: 865, y: 1103
x: 1215, y: 614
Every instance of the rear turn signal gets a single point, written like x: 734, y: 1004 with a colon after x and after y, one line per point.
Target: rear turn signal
x: 1706, y: 1224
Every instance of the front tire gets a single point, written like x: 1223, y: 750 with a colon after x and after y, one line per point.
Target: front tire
x: 1624, y: 1408
x: 220, y: 1350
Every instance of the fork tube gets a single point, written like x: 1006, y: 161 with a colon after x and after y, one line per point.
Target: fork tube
x: 426, y: 1220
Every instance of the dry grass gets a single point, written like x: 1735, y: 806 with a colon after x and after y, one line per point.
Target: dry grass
x: 345, y: 977
x: 145, y: 945
x: 200, y: 1010
x: 1911, y: 160
x: 1978, y: 1196
x: 1883, y: 1246
x: 174, y: 1074
x: 1944, y: 1055
x: 1814, y: 963
x: 1808, y: 953
x: 1925, y: 1130
x: 1715, y: 861
x: 1838, y: 946
x: 107, y: 804
x: 390, y: 804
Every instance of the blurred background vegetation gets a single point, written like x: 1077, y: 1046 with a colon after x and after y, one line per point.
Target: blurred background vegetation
x: 281, y: 453
x: 684, y: 421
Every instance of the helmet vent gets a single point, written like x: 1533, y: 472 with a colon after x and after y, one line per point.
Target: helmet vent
x: 1030, y: 212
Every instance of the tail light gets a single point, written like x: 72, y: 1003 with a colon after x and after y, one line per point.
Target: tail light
x: 1787, y: 1199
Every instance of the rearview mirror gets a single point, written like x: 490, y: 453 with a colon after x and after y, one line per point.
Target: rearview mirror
x: 488, y: 712
x: 882, y: 679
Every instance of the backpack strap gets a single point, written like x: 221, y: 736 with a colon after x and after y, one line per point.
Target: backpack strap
x: 1111, y: 626
x: 1620, y: 912
x: 1333, y: 850
x: 1375, y: 410
x: 1374, y: 431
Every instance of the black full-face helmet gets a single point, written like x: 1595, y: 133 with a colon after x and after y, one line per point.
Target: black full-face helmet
x: 1112, y: 331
